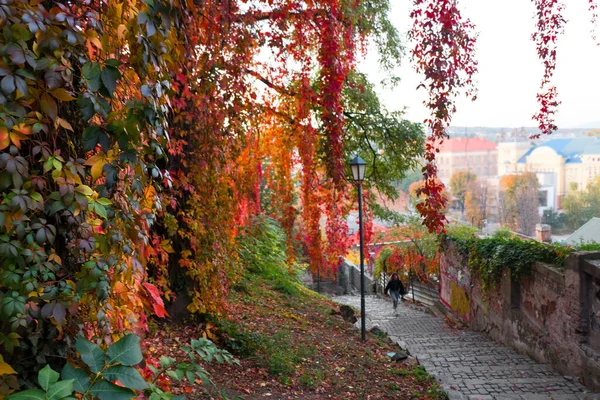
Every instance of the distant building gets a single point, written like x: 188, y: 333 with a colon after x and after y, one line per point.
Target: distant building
x: 589, y: 232
x: 509, y: 153
x: 561, y: 165
x: 477, y: 155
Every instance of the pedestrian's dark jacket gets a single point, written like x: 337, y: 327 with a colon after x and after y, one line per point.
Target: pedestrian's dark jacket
x: 395, y: 285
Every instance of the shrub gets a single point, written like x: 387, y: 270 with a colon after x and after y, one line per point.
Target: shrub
x: 238, y: 340
x: 262, y: 247
x: 118, y: 364
x: 489, y: 257
x: 588, y: 246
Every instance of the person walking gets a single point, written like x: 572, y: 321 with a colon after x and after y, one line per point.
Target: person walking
x: 396, y: 289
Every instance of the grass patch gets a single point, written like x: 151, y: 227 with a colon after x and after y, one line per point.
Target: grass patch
x: 312, y: 379
x: 238, y: 340
x: 436, y: 392
x: 421, y: 376
x: 418, y: 373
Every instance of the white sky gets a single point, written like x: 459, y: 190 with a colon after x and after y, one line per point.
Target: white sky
x: 509, y: 70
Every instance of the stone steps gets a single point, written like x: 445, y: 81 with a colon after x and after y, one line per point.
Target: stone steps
x: 468, y: 364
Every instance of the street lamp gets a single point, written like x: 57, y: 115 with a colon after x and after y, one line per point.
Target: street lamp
x: 359, y: 166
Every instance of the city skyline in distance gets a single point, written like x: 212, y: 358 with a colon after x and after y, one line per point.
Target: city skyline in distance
x: 509, y: 70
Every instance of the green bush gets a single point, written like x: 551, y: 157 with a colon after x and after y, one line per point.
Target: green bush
x: 239, y: 341
x: 503, y: 234
x: 461, y: 231
x: 588, y: 246
x: 380, y: 262
x: 262, y: 251
x: 261, y: 247
x: 489, y: 257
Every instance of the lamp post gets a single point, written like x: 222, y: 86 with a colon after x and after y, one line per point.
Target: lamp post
x: 359, y: 166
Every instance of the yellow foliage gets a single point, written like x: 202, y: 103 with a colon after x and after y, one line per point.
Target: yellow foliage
x: 353, y: 256
x: 6, y: 369
x: 291, y: 316
x: 459, y: 300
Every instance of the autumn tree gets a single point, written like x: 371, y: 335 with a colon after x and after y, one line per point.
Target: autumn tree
x: 415, y: 256
x: 461, y: 183
x: 476, y: 204
x: 519, y: 202
x: 474, y: 212
x: 411, y: 177
x: 581, y: 206
x: 135, y: 136
x: 133, y: 139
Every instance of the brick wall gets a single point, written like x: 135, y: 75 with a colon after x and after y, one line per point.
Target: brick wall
x: 548, y: 316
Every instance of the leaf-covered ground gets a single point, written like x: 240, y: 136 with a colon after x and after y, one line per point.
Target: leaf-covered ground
x: 291, y: 345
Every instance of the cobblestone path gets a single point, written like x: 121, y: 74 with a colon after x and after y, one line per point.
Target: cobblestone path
x: 468, y: 364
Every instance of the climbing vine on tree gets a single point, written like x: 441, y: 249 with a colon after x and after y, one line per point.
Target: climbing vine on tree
x: 136, y: 135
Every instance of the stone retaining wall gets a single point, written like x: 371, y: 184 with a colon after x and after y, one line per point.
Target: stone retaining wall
x: 351, y: 273
x: 552, y: 316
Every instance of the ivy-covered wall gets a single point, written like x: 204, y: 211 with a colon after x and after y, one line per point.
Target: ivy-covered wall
x: 541, y: 313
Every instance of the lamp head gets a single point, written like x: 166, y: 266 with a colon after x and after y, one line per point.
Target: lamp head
x: 359, y: 167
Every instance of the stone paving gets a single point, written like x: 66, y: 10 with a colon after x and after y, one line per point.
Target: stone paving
x: 469, y: 365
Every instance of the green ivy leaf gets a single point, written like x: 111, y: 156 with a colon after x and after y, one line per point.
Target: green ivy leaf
x: 91, y: 73
x: 46, y: 377
x: 81, y: 379
x: 56, y: 207
x: 176, y: 374
x: 126, y: 351
x: 84, y: 190
x: 110, y: 76
x: 101, y: 211
x: 91, y: 137
x: 91, y: 354
x: 60, y: 390
x: 128, y: 376
x: 104, y: 201
x: 166, y: 362
x: 113, y: 62
x: 31, y: 394
x: 105, y: 390
x: 8, y: 84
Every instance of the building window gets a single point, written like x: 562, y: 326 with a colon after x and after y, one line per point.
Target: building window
x: 543, y: 196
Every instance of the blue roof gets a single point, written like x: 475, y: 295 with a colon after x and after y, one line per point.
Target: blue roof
x: 570, y: 149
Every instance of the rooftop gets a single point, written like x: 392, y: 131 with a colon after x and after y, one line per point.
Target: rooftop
x: 467, y: 144
x: 589, y: 232
x: 570, y: 149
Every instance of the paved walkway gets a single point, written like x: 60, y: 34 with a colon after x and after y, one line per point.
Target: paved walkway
x: 468, y: 364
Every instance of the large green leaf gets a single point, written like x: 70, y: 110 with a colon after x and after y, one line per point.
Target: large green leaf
x: 110, y: 76
x: 31, y: 394
x: 91, y: 137
x: 60, y: 390
x: 91, y: 73
x: 105, y: 390
x: 82, y: 380
x: 91, y: 354
x: 126, y: 351
x: 128, y: 376
x: 46, y: 377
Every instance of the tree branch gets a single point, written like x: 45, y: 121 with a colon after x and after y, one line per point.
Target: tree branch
x: 257, y: 16
x: 278, y: 88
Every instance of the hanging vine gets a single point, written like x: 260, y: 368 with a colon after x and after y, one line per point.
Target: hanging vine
x: 550, y: 25
x: 444, y: 52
